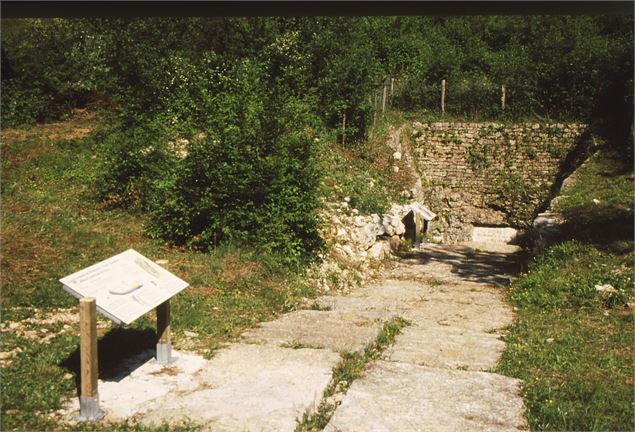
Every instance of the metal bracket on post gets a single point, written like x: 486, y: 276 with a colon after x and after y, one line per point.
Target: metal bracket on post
x: 164, y: 342
x: 89, y: 399
x: 89, y: 409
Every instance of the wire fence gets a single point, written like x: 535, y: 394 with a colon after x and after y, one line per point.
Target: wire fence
x: 462, y: 97
x: 468, y: 98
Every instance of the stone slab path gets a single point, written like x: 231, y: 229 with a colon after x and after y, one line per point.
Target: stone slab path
x: 396, y: 396
x: 433, y: 378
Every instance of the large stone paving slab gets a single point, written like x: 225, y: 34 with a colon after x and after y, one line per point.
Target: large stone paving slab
x: 335, y: 330
x: 448, y: 263
x: 377, y: 307
x: 243, y: 388
x: 446, y: 347
x: 250, y: 388
x: 394, y: 293
x: 141, y: 380
x: 404, y: 397
x: 461, y: 306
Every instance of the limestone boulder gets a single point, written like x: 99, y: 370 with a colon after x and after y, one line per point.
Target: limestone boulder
x: 379, y: 250
x: 392, y: 225
x: 364, y: 237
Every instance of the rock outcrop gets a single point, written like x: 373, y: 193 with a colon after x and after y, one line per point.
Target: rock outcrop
x: 357, y: 243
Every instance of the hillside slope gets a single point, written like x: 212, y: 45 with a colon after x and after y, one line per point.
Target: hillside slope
x: 573, y: 342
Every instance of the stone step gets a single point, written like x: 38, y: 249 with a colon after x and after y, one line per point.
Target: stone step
x: 334, y: 330
x: 244, y: 387
x: 404, y: 397
x: 380, y: 309
x: 250, y: 388
x: 446, y: 347
x: 465, y: 311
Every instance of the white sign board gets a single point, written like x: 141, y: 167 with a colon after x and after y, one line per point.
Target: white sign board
x: 493, y: 235
x: 125, y: 286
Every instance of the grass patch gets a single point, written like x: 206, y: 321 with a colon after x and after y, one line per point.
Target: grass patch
x: 572, y: 345
x: 52, y: 227
x: 598, y: 206
x: 350, y: 368
x: 131, y: 426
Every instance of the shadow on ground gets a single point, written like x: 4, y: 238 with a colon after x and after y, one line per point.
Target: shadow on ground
x: 473, y: 265
x: 120, y: 352
x: 590, y: 225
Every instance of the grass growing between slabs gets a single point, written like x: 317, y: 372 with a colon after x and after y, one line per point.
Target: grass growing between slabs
x: 350, y: 368
x: 572, y: 344
x: 52, y: 226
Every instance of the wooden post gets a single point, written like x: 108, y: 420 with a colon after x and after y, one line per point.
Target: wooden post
x: 383, y: 100
x: 89, y: 397
x: 375, y: 109
x: 164, y: 342
x: 392, y: 86
x: 503, y: 97
x: 344, y: 128
x: 442, y: 96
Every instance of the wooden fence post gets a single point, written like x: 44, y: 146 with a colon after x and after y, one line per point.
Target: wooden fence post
x: 344, y: 128
x: 164, y: 342
x: 442, y: 96
x: 89, y: 396
x: 375, y: 109
x: 392, y: 86
x: 503, y: 97
x: 383, y: 100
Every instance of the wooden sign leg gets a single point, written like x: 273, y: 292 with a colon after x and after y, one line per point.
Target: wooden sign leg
x: 89, y: 397
x: 164, y: 342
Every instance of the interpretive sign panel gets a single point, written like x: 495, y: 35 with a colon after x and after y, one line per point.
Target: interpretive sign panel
x: 125, y: 286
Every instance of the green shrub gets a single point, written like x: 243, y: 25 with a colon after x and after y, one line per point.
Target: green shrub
x: 241, y: 171
x: 133, y: 159
x: 49, y: 66
x: 21, y: 105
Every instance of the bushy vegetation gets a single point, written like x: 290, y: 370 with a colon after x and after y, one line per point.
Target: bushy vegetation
x: 241, y: 170
x: 220, y: 119
x: 556, y: 66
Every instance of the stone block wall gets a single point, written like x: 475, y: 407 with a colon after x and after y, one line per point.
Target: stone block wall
x: 488, y: 174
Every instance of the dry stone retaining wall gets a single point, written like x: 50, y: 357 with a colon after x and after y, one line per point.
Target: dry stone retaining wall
x: 488, y: 174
